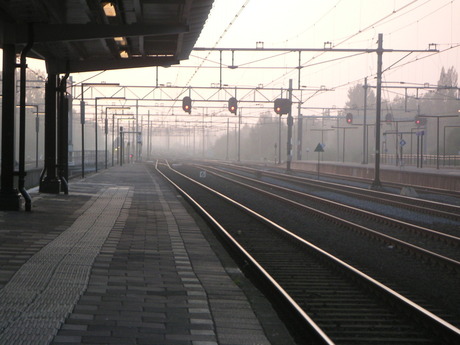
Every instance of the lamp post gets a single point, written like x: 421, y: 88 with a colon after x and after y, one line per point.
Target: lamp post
x: 82, y: 115
x: 365, y: 133
x: 95, y: 126
x: 106, y: 130
x: 240, y: 113
x: 37, y: 128
x: 122, y: 117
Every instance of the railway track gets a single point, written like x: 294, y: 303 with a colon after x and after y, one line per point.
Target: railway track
x: 334, y: 302
x: 437, y: 247
x: 365, y: 182
x: 428, y: 207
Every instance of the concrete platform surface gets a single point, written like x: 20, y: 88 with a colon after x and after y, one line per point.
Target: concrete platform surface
x: 122, y: 260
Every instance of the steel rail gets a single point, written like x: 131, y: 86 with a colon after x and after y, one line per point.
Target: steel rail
x: 442, y: 325
x: 441, y: 259
x: 454, y: 240
x: 383, y: 197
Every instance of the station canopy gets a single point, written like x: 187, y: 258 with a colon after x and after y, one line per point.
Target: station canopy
x: 90, y: 35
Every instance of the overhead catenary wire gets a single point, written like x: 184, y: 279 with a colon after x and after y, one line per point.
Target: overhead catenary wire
x: 394, y: 67
x: 312, y: 63
x: 220, y: 38
x: 314, y: 24
x: 230, y: 24
x: 348, y: 38
x: 382, y: 21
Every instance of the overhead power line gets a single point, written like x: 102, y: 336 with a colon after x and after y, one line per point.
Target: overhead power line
x: 219, y: 39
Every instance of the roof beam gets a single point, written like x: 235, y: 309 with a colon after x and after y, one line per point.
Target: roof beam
x: 168, y: 2
x: 17, y: 34
x: 75, y: 66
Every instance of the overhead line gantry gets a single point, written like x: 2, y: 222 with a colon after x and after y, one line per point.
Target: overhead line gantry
x: 328, y: 48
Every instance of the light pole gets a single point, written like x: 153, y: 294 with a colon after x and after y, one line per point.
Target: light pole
x: 290, y: 123
x: 228, y: 128
x: 122, y: 117
x: 37, y: 128
x: 106, y: 130
x: 95, y: 126
x: 240, y: 113
x: 365, y: 143
x: 279, y: 140
x: 82, y: 116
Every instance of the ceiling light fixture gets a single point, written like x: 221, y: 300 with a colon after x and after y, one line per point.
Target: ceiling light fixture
x: 121, y: 40
x: 109, y: 8
x: 124, y: 54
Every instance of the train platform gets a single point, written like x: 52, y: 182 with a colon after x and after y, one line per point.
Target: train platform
x: 426, y: 177
x: 122, y: 260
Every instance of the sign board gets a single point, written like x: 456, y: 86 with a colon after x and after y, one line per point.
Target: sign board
x: 319, y: 148
x: 82, y: 112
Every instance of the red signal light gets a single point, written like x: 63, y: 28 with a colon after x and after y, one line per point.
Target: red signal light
x: 420, y: 121
x: 187, y: 104
x: 232, y: 105
x: 282, y: 106
x: 389, y: 117
x: 349, y: 118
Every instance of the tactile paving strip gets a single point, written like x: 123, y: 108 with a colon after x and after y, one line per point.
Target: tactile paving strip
x: 43, y: 292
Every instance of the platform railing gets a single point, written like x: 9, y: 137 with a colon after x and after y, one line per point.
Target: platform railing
x: 429, y: 161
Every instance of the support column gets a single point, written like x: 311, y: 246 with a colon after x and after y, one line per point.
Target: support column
x: 299, y: 131
x: 9, y: 196
x: 365, y: 143
x: 63, y: 135
x: 376, y: 184
x: 289, y: 125
x: 50, y: 183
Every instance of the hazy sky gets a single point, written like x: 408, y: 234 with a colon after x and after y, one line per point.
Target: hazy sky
x: 405, y: 24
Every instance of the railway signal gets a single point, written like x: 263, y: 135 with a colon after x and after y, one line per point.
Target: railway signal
x: 282, y: 106
x: 187, y: 104
x: 420, y: 121
x: 389, y: 117
x: 232, y: 105
x: 349, y: 118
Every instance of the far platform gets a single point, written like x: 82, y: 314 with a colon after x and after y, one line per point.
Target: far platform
x: 429, y: 177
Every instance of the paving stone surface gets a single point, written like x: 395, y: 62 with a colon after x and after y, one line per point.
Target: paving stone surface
x: 121, y: 260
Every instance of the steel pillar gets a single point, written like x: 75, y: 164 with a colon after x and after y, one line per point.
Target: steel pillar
x: 290, y: 122
x: 376, y: 184
x: 50, y: 183
x: 63, y: 135
x: 299, y: 132
x: 9, y: 196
